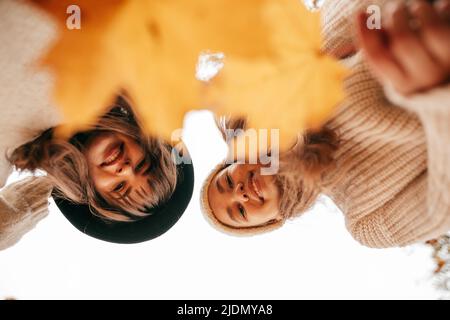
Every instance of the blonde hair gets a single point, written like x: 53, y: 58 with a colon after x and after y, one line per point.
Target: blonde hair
x: 67, y: 167
x: 299, y: 180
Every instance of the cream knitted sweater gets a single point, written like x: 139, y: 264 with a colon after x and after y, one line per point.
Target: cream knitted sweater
x: 391, y: 192
x: 25, y: 112
x: 392, y: 179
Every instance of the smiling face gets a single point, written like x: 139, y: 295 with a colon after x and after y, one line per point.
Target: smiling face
x: 241, y: 197
x: 119, y: 170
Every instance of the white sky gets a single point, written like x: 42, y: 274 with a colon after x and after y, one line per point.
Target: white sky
x: 311, y: 257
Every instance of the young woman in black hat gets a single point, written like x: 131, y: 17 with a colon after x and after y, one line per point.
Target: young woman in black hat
x: 111, y: 181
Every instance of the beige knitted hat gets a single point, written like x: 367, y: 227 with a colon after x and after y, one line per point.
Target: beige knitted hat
x: 209, y: 214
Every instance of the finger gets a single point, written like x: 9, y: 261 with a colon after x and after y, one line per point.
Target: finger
x: 420, y: 66
x: 378, y: 55
x: 124, y: 203
x: 435, y: 34
x: 136, y: 204
x: 141, y: 199
x: 140, y: 193
x: 144, y: 192
x: 424, y: 11
x: 443, y: 9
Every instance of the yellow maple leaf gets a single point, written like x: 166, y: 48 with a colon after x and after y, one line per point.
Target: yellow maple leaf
x: 297, y: 88
x: 274, y: 73
x: 147, y: 48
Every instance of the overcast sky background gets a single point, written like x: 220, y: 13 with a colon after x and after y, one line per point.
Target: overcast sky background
x: 311, y: 257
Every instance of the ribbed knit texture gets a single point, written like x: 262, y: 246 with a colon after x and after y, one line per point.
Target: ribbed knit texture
x: 22, y: 205
x: 392, y: 176
x: 338, y: 22
x: 26, y: 110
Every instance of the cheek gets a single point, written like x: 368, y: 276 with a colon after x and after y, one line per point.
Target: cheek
x: 88, y: 153
x: 272, y: 188
x: 90, y: 157
x: 273, y: 205
x: 100, y: 180
x: 135, y: 151
x: 262, y: 214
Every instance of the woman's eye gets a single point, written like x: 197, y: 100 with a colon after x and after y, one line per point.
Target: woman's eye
x: 241, y: 211
x: 140, y: 165
x: 149, y: 169
x: 119, y: 187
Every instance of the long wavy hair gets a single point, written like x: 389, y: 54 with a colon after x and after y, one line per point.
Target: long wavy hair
x: 66, y: 166
x: 302, y: 167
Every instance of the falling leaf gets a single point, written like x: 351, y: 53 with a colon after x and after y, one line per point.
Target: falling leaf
x: 147, y: 48
x: 296, y: 88
x: 274, y: 71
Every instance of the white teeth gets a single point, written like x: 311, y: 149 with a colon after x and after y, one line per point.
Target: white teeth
x: 112, y: 157
x: 255, y: 187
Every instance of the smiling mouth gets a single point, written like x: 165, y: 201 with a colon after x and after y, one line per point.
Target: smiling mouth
x: 113, y: 154
x: 254, y: 185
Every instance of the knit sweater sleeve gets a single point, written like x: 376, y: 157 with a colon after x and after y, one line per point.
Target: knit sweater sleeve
x: 338, y: 23
x: 433, y: 109
x: 22, y: 205
x: 421, y: 211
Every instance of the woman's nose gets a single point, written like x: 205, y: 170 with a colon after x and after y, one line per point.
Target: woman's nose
x: 123, y: 168
x: 239, y: 193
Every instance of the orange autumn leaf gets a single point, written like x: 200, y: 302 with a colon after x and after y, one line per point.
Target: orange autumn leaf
x: 147, y: 48
x: 296, y: 89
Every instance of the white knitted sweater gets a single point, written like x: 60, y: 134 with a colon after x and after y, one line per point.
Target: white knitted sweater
x: 392, y: 180
x: 25, y: 112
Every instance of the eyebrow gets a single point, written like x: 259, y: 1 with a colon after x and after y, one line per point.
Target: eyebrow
x: 230, y: 214
x: 141, y: 164
x: 219, y: 187
x: 228, y: 176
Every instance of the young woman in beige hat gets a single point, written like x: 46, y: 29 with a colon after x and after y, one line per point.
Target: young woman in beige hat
x: 383, y: 157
